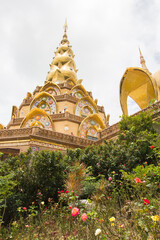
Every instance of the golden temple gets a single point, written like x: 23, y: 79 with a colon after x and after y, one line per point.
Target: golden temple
x: 62, y: 114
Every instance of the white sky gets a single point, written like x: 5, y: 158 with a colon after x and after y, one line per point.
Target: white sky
x: 104, y: 34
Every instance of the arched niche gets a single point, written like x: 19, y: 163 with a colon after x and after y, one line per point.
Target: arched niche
x: 39, y: 118
x: 139, y: 85
x: 45, y: 102
x: 90, y: 127
x: 51, y: 88
x: 79, y: 91
x: 85, y: 103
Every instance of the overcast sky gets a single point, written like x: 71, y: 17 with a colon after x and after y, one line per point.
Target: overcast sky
x: 104, y: 34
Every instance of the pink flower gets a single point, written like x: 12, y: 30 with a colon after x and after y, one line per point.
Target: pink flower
x: 137, y: 180
x: 84, y: 217
x: 75, y: 211
x: 27, y: 225
x: 24, y: 208
x: 66, y: 191
x: 122, y: 226
x: 110, y: 178
x: 151, y: 147
x: 39, y: 193
x: 146, y: 201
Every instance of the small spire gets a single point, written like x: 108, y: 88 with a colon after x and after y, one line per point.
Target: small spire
x: 65, y: 26
x: 65, y: 40
x: 142, y: 61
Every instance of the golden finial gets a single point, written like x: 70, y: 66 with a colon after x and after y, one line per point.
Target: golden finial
x: 65, y: 26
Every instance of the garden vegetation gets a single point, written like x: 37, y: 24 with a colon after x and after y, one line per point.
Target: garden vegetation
x: 109, y: 191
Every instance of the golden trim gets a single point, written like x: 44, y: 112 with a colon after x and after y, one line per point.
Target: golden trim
x: 49, y: 84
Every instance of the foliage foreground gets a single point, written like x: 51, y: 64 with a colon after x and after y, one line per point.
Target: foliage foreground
x: 103, y: 192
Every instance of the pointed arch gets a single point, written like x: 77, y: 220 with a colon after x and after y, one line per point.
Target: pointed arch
x: 138, y: 84
x: 51, y: 88
x: 79, y: 91
x: 90, y: 127
x: 83, y: 103
x: 37, y: 117
x: 44, y: 101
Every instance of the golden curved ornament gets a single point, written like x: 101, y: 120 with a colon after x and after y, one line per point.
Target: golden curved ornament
x: 138, y: 84
x: 38, y: 117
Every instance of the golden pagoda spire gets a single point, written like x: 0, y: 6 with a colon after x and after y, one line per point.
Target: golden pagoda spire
x: 142, y: 61
x: 63, y: 68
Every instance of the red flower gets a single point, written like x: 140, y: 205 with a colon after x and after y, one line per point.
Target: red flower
x: 66, y: 191
x: 70, y: 207
x: 24, y: 208
x: 59, y: 191
x: 137, y: 180
x: 146, y: 201
x: 75, y: 211
x: 151, y: 147
x: 62, y: 191
x: 109, y: 197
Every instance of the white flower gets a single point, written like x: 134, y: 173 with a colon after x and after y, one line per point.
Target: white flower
x: 97, y: 232
x: 42, y: 203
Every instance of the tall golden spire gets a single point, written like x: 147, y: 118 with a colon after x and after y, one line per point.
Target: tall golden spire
x: 63, y: 67
x: 142, y: 61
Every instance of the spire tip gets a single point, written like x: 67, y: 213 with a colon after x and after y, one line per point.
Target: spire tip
x: 65, y: 26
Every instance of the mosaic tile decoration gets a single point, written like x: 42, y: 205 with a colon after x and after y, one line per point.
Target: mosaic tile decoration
x: 78, y: 93
x: 39, y: 121
x: 88, y: 129
x: 45, y: 103
x: 82, y: 104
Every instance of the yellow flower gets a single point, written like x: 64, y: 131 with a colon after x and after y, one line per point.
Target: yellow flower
x: 112, y: 219
x: 155, y: 218
x: 42, y: 203
x: 112, y: 224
